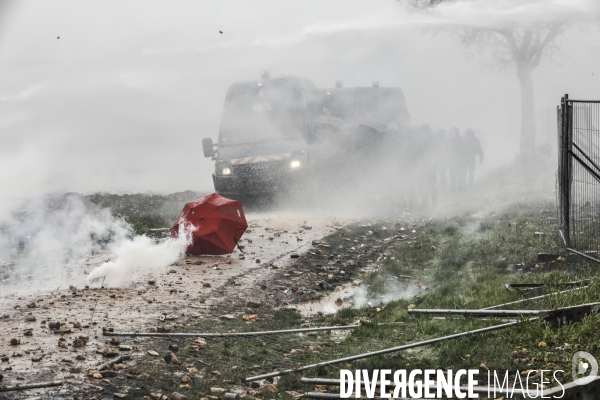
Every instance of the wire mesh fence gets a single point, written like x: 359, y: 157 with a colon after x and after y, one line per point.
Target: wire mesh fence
x: 579, y: 175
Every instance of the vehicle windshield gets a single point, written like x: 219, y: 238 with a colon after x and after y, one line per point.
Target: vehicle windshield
x: 255, y: 113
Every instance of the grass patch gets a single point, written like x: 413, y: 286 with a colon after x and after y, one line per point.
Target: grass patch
x: 465, y: 263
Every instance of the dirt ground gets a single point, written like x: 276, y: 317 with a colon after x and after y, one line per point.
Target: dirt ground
x: 190, y: 293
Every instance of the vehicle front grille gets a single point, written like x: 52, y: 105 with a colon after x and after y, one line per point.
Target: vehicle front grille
x: 259, y: 168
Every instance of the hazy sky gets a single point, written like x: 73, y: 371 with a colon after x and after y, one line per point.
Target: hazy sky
x: 121, y: 101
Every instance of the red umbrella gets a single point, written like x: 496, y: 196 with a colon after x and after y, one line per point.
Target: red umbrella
x: 217, y: 224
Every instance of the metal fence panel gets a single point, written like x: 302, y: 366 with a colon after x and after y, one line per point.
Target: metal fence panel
x: 579, y: 174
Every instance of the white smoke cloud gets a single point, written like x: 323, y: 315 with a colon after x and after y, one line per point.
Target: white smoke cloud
x: 489, y: 14
x: 139, y: 255
x: 53, y: 242
x: 392, y: 291
x: 48, y: 242
x: 474, y: 13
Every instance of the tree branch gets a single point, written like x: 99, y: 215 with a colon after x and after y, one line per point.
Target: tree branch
x: 555, y: 30
x: 511, y: 41
x: 525, y: 52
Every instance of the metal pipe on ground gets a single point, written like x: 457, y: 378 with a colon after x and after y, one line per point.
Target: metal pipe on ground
x: 534, y: 298
x: 113, y: 362
x: 30, y: 386
x: 323, y: 381
x: 384, y: 351
x: 329, y: 382
x: 556, y: 316
x: 579, y: 283
x: 582, y: 254
x: 481, y: 313
x: 541, y: 314
x: 482, y: 319
x: 320, y: 395
x: 233, y: 334
x: 241, y: 334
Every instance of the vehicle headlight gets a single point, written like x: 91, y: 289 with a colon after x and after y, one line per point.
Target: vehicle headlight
x: 299, y: 159
x: 222, y: 168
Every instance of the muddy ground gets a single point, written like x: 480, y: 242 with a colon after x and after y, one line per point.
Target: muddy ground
x: 369, y: 270
x: 288, y: 264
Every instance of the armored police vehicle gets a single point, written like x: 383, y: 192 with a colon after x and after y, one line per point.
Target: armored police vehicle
x: 282, y: 134
x: 264, y: 138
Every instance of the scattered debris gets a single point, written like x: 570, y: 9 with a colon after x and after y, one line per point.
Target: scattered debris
x: 268, y: 388
x: 547, y: 257
x: 110, y: 352
x: 384, y: 351
x: 171, y: 358
x: 54, y: 325
x: 63, y: 330
x: 254, y: 303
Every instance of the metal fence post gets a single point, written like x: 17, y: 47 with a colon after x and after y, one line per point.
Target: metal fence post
x: 564, y: 173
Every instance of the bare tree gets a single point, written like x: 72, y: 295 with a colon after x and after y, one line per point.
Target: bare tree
x: 520, y: 44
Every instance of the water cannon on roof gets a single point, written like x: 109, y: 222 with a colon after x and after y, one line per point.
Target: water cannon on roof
x: 375, y: 84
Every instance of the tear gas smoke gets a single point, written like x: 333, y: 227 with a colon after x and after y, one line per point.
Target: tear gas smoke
x: 360, y: 297
x: 139, y: 255
x: 46, y: 241
x: 391, y: 292
x: 51, y: 245
x: 480, y: 14
x: 123, y: 98
x: 52, y: 242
